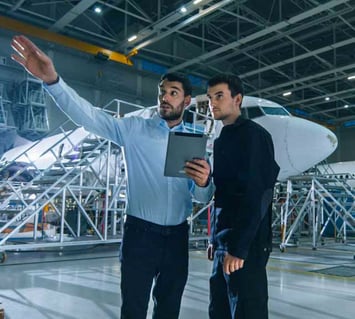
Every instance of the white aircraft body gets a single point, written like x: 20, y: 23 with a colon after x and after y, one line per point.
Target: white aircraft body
x: 299, y: 143
x: 340, y: 170
x: 45, y: 152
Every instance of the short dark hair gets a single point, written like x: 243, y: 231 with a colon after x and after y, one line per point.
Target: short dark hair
x: 178, y: 77
x: 235, y: 84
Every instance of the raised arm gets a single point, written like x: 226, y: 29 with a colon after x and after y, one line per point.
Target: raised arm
x: 79, y: 110
x: 35, y: 61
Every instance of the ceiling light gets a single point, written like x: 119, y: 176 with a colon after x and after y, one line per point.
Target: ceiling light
x: 327, y: 98
x: 346, y: 106
x: 98, y: 10
x: 351, y: 77
x: 197, y: 1
x: 132, y: 38
x: 287, y: 93
x: 183, y: 10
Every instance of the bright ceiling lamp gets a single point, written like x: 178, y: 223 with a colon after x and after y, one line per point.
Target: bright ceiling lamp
x: 287, y: 93
x: 132, y: 38
x: 98, y: 10
x: 197, y: 1
x: 351, y: 77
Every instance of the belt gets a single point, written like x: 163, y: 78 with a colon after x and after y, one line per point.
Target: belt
x: 156, y: 228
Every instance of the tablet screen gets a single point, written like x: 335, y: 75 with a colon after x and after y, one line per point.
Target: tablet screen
x: 183, y: 147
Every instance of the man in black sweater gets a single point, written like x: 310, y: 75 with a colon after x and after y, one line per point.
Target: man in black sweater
x: 244, y: 174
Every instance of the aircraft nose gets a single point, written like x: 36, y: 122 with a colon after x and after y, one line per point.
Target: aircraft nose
x: 308, y: 143
x: 299, y: 143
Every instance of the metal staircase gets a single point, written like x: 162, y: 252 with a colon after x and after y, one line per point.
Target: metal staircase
x: 62, y: 186
x: 69, y: 189
x: 311, y: 206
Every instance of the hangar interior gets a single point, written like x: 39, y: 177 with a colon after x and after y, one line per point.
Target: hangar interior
x: 298, y: 53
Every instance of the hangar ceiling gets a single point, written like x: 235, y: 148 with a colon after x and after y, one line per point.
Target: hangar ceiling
x: 306, y: 47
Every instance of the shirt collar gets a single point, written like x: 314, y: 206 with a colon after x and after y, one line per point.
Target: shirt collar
x: 161, y: 122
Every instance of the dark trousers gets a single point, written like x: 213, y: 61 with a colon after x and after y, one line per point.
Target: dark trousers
x: 153, y: 255
x: 243, y: 294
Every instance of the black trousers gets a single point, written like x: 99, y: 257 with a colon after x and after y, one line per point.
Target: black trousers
x: 243, y: 294
x: 153, y: 255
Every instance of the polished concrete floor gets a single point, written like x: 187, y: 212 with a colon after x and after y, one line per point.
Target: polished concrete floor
x: 66, y: 286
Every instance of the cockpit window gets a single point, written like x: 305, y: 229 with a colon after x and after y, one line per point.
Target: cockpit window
x: 275, y: 110
x: 253, y: 112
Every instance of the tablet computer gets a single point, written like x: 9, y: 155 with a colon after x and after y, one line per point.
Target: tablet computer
x: 183, y: 147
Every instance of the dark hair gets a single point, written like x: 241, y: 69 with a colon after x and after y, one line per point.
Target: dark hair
x: 235, y: 84
x: 178, y: 77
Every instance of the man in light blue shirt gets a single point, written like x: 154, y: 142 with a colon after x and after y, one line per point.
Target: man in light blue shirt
x: 155, y: 241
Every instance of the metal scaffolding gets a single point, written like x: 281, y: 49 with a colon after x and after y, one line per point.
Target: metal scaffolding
x: 7, y: 128
x: 68, y: 189
x: 314, y: 207
x: 4, y: 102
x: 30, y: 109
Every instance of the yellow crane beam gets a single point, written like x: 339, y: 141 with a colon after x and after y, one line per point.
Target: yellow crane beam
x: 27, y: 29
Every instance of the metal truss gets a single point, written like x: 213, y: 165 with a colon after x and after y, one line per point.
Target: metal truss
x: 70, y: 189
x: 309, y: 207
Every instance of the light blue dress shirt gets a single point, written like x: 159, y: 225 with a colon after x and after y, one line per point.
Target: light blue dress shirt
x: 151, y: 196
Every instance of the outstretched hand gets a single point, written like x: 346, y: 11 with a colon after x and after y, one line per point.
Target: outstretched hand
x: 33, y: 59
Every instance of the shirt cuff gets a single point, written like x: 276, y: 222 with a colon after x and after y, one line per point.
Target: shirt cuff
x: 54, y: 82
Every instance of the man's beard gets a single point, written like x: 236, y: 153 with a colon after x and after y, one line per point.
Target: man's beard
x: 171, y: 114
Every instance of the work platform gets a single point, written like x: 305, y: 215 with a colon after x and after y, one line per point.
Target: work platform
x: 69, y: 190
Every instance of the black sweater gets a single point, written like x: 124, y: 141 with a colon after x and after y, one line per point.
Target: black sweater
x: 244, y: 173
